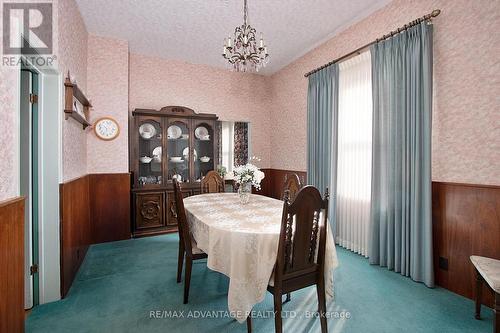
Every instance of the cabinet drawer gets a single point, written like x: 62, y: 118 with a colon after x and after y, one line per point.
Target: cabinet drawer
x: 171, y: 211
x: 149, y: 210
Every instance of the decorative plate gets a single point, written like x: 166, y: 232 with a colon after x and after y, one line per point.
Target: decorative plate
x: 174, y: 132
x: 106, y: 128
x: 147, y: 131
x: 156, y: 154
x: 185, y: 153
x: 201, y: 132
x: 157, y: 151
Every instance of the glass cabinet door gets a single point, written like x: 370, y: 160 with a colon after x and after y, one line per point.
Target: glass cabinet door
x: 203, y: 142
x: 150, y: 170
x: 178, y: 150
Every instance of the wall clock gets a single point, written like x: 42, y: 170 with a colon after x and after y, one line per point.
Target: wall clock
x: 106, y: 128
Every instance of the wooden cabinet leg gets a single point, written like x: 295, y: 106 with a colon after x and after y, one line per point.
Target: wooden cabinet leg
x: 479, y: 286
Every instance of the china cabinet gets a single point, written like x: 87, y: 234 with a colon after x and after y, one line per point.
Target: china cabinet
x: 174, y: 142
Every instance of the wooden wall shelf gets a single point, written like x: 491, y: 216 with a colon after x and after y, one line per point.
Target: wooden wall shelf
x: 72, y: 91
x: 75, y: 115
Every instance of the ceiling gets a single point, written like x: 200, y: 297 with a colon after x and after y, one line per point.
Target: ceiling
x: 194, y: 30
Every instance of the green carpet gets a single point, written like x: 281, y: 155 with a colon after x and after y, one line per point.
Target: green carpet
x: 119, y: 284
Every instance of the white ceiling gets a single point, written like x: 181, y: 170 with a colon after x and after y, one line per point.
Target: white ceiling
x: 194, y: 30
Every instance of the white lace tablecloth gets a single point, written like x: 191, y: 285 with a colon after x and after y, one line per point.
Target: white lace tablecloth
x: 242, y: 243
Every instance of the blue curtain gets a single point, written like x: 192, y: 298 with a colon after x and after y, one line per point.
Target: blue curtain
x: 322, y: 119
x: 401, y: 223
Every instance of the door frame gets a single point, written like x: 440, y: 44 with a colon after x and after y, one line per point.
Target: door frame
x: 29, y: 182
x: 50, y: 120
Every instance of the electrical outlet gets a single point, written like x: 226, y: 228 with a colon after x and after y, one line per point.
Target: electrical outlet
x: 443, y: 263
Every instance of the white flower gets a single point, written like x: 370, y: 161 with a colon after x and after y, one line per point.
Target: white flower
x: 259, y: 175
x: 249, y: 174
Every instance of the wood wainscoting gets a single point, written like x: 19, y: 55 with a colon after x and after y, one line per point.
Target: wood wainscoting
x: 109, y: 207
x: 75, y: 231
x: 273, y: 184
x: 12, y: 265
x: 466, y: 221
x: 94, y: 209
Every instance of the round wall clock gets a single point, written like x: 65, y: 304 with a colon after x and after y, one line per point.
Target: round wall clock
x: 106, y: 128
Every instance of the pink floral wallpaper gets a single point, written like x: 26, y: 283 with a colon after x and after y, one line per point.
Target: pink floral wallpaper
x: 107, y: 72
x: 9, y: 81
x: 8, y: 139
x: 70, y: 45
x: 72, y: 56
x: 466, y: 118
x: 156, y: 82
x: 466, y: 115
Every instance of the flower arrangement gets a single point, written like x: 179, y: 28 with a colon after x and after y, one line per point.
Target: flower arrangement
x: 248, y: 174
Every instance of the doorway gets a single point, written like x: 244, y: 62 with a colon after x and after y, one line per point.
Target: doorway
x: 29, y: 180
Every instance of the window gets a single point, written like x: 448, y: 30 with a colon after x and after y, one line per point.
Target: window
x: 354, y: 153
x: 227, y: 145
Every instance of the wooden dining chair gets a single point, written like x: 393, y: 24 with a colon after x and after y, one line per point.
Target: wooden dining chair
x: 303, y: 232
x: 188, y: 248
x: 212, y: 183
x: 292, y: 185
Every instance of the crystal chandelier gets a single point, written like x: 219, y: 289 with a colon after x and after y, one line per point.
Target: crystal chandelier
x: 242, y: 52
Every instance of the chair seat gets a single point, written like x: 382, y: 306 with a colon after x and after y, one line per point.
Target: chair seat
x: 489, y: 270
x: 271, y: 280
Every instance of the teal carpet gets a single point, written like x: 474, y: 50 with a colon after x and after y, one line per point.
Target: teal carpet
x: 120, y: 283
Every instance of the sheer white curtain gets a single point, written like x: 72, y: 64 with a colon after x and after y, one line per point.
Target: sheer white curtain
x: 227, y: 143
x: 354, y: 153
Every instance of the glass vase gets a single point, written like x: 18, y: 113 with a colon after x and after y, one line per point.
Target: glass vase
x: 244, y: 191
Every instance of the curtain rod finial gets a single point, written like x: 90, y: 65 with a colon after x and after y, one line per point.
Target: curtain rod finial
x: 436, y: 12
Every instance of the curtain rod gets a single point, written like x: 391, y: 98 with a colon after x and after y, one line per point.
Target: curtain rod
x: 427, y: 17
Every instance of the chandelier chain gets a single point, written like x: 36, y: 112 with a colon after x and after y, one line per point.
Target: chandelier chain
x: 245, y: 12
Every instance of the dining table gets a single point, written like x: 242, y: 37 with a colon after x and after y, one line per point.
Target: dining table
x: 241, y: 242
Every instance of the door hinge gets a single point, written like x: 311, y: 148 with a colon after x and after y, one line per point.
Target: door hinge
x: 33, y: 98
x: 34, y: 269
